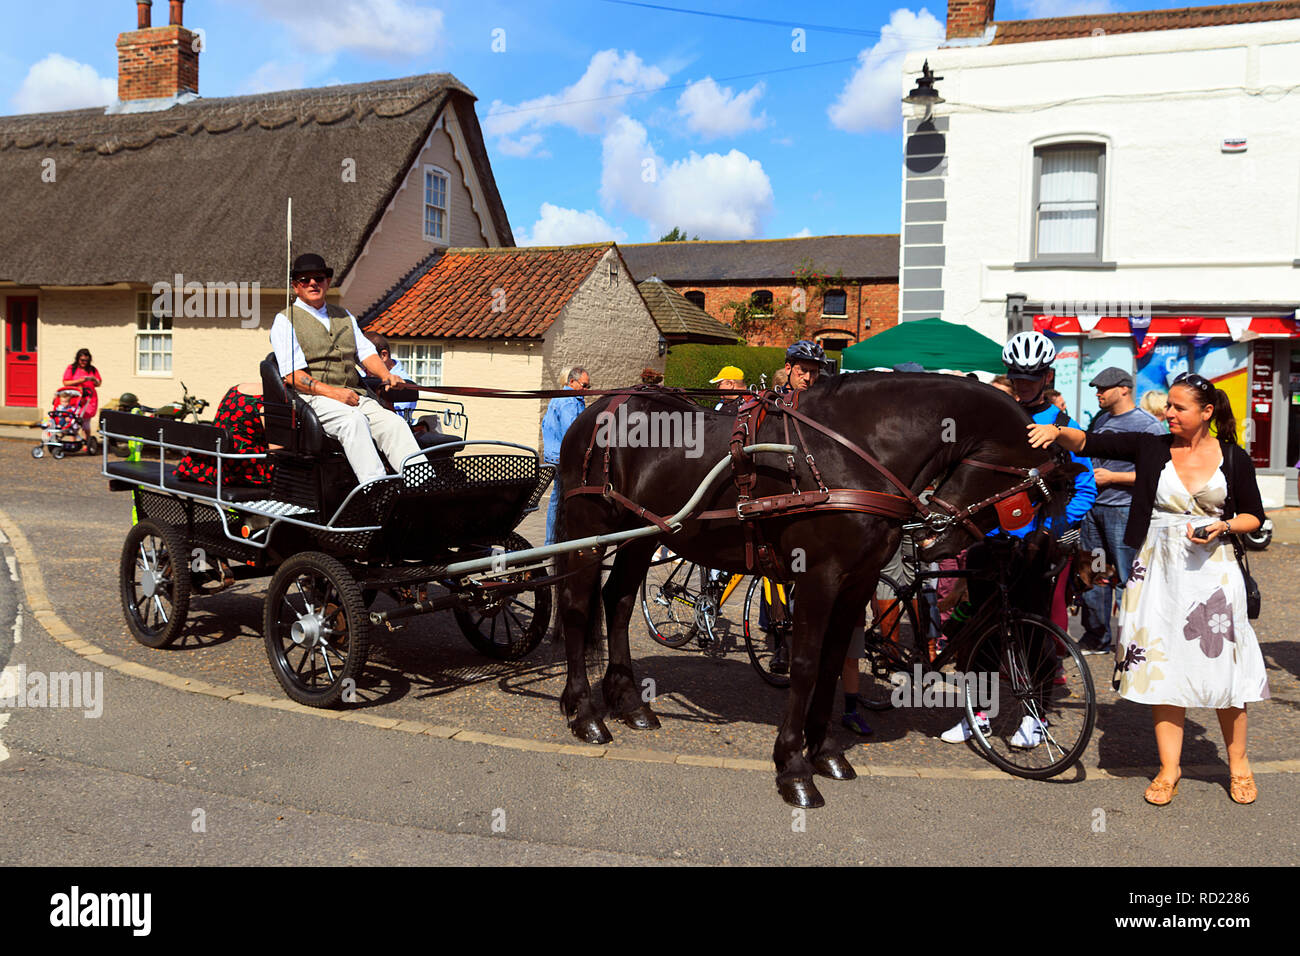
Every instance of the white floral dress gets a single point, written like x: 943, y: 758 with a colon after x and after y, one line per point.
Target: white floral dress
x: 1185, y: 638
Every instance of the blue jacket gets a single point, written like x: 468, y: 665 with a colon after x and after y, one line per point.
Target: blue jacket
x: 1085, y: 485
x: 560, y: 414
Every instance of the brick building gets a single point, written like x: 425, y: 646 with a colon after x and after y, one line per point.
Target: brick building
x: 853, y: 296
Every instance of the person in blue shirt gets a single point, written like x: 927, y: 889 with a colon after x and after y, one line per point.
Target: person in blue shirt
x: 1028, y: 357
x: 560, y: 414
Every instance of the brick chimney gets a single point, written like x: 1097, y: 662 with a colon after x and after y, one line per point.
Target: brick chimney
x: 968, y: 18
x: 157, y: 62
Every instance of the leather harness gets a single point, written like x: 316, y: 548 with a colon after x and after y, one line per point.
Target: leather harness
x: 1013, y: 505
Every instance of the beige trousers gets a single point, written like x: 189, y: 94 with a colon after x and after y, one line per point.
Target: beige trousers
x: 359, y: 428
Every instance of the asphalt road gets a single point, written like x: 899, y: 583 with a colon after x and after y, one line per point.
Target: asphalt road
x: 282, y: 787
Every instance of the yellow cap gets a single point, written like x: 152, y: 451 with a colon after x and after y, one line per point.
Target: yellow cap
x: 728, y: 373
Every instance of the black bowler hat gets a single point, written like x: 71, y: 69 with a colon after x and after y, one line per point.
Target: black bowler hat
x: 310, y: 262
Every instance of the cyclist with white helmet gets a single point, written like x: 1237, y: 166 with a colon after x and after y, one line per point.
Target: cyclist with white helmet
x: 1028, y: 357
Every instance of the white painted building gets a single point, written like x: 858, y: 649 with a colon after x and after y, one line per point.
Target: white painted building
x: 1082, y: 170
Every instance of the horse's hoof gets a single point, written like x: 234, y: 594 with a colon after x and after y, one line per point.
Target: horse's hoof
x: 835, y: 766
x: 590, y: 730
x: 800, y: 793
x: 643, y: 718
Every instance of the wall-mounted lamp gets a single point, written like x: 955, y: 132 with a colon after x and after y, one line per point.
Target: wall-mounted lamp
x: 1016, y: 312
x: 663, y: 345
x: 924, y: 93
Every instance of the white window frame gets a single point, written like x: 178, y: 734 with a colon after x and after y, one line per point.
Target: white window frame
x: 151, y: 330
x: 1102, y: 149
x: 426, y: 206
x: 421, y: 360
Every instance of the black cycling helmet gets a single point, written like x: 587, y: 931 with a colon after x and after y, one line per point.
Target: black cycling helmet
x: 805, y: 351
x: 128, y: 400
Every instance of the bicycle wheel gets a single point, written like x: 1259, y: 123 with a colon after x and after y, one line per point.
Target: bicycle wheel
x: 1042, y: 708
x: 891, y: 644
x: 673, y: 603
x: 768, y: 641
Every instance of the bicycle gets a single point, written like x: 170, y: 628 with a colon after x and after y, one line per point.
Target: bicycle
x: 682, y: 602
x: 1043, y: 683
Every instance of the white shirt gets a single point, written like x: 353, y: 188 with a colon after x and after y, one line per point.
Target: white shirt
x: 288, y: 353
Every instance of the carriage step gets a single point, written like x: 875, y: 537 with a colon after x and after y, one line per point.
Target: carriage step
x: 277, y: 509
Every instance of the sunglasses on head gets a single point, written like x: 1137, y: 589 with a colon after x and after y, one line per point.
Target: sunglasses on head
x: 1195, y: 381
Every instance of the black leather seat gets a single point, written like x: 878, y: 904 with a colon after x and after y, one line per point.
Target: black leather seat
x: 290, y: 421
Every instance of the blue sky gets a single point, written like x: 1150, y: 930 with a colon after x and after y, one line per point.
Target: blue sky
x: 747, y: 136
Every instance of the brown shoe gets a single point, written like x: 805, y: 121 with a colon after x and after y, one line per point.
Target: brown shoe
x: 1242, y: 789
x: 1160, y: 792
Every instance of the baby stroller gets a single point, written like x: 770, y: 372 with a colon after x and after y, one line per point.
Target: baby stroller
x: 62, y: 431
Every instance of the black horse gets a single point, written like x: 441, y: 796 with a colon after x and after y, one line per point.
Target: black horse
x: 919, y: 426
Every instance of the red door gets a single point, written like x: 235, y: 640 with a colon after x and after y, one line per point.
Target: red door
x: 20, y: 352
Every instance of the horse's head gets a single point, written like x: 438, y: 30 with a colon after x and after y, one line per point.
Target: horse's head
x: 994, y: 478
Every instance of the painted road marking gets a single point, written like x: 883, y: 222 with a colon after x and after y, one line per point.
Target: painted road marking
x: 13, y: 567
x: 8, y: 688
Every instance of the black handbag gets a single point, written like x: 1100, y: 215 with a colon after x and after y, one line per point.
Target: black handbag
x: 1253, y: 597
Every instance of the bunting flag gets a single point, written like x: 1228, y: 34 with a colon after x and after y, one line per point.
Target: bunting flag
x: 1146, y: 346
x: 1190, y: 324
x: 1237, y: 325
x: 1137, y: 326
x: 1087, y: 322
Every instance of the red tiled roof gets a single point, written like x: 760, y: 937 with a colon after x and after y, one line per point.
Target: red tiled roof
x: 454, y: 299
x: 1060, y: 28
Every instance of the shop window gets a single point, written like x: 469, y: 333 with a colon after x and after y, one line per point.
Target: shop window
x: 1069, y: 187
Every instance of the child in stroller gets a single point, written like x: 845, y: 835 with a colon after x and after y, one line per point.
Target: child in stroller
x: 62, y: 431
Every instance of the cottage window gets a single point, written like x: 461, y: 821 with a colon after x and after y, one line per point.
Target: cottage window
x: 423, y: 363
x: 695, y: 298
x: 835, y: 302
x: 435, y: 204
x: 153, y: 335
x: 761, y: 302
x: 1069, y: 186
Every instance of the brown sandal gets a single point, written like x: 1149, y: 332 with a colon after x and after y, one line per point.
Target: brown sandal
x: 1160, y: 792
x: 1242, y: 789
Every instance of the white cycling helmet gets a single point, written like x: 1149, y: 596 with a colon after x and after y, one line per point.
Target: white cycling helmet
x: 1029, y: 353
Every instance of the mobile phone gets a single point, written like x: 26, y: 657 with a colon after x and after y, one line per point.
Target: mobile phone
x: 1203, y: 532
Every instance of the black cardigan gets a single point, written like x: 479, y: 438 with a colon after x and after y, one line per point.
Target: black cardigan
x: 1149, y: 453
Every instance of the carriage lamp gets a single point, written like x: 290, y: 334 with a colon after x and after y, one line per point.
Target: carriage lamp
x: 924, y: 93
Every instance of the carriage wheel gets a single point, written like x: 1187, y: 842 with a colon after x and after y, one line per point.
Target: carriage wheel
x: 315, y: 628
x: 1046, y: 706
x: 511, y: 626
x: 38, y: 451
x: 155, y: 580
x: 762, y: 643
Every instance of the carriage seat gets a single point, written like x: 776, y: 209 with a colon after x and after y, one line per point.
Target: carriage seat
x: 131, y: 472
x: 282, y: 407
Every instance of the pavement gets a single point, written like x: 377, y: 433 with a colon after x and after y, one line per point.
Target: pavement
x: 713, y: 708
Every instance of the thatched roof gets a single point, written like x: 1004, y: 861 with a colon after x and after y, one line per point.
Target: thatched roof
x: 200, y: 188
x: 680, y: 319
x: 744, y: 260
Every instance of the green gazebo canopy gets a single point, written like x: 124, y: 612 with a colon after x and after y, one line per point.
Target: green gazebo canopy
x: 933, y: 343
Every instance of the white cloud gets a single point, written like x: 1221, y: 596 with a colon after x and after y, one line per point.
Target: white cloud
x: 803, y: 233
x: 523, y: 146
x: 59, y: 83
x: 587, y: 105
x: 558, y: 226
x: 716, y: 196
x: 870, y: 98
x: 387, y: 29
x: 714, y: 111
x: 276, y: 75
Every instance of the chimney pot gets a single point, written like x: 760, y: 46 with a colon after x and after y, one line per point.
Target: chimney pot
x: 177, y: 7
x: 143, y: 14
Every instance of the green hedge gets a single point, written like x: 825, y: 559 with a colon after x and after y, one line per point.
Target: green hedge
x: 691, y: 365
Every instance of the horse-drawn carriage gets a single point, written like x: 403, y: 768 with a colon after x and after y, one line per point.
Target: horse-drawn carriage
x: 329, y: 545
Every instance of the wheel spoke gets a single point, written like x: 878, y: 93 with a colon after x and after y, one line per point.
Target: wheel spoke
x: 161, y: 611
x: 307, y: 605
x: 302, y: 661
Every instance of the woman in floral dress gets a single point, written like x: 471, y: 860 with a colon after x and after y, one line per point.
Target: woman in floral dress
x: 1185, y: 638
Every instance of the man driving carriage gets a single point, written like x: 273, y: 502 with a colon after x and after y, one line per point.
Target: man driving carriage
x: 318, y: 346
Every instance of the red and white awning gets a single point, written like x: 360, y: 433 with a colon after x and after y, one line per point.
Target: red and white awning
x: 1265, y: 326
